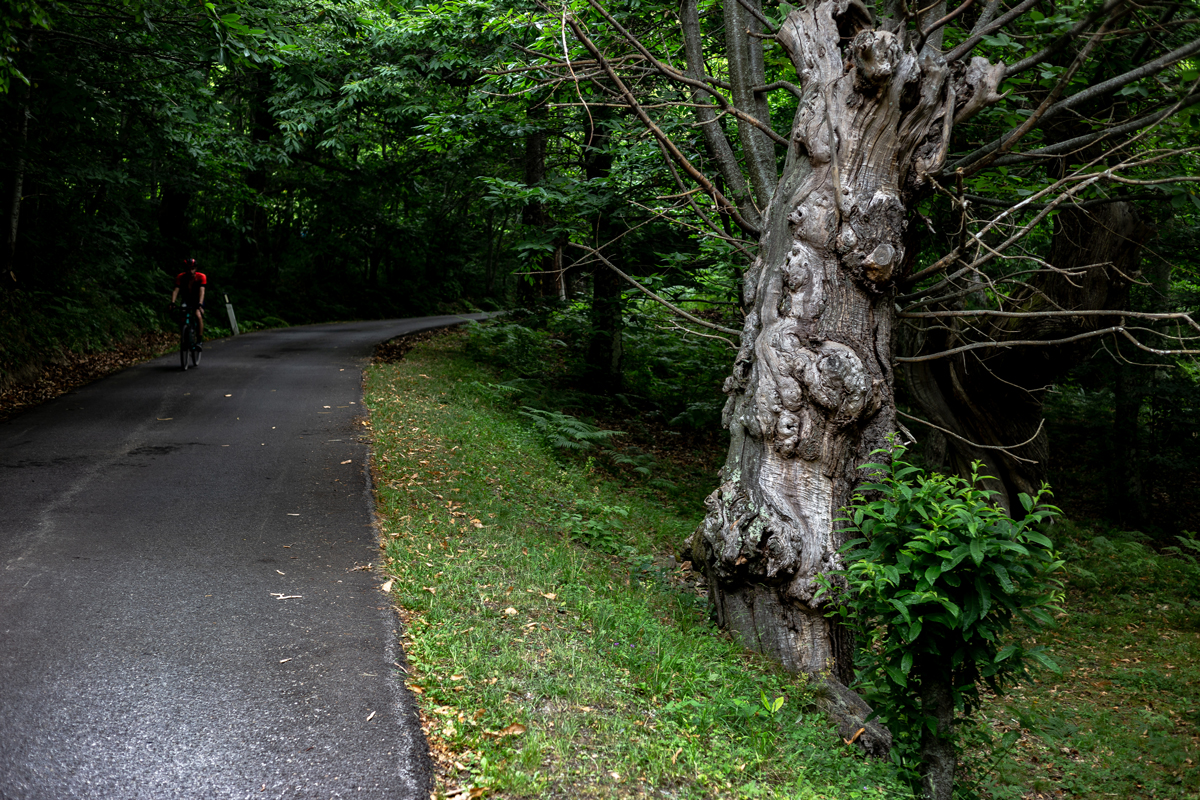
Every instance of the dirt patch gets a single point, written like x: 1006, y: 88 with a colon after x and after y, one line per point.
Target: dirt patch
x: 394, y: 350
x: 77, y: 369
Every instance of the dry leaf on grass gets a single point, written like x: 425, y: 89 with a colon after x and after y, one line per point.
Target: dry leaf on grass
x: 387, y: 586
x: 516, y: 729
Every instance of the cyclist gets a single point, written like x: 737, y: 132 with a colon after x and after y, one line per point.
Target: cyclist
x: 192, y: 284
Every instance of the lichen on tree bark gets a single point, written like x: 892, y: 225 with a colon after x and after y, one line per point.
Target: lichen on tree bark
x: 811, y: 394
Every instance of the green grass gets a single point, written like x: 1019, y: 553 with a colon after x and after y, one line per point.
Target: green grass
x: 1122, y: 718
x: 555, y: 648
x: 559, y: 652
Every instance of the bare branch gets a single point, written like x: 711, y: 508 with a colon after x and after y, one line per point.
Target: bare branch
x: 1043, y: 109
x: 1062, y: 41
x: 1101, y: 89
x: 679, y: 157
x: 1080, y: 142
x: 976, y: 36
x: 1006, y: 448
x: 675, y: 309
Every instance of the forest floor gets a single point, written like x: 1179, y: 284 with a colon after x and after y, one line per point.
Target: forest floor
x: 72, y: 370
x: 559, y: 650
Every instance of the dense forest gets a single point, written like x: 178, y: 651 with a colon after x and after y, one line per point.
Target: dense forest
x: 793, y: 230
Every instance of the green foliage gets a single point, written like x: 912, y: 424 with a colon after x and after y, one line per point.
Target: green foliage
x: 934, y: 584
x: 511, y: 346
x: 1124, y: 566
x: 596, y: 523
x: 564, y: 431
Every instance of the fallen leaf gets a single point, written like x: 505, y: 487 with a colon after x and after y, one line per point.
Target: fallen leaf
x: 370, y: 716
x: 430, y: 589
x: 387, y: 586
x: 516, y: 729
x: 281, y: 573
x: 510, y: 611
x: 280, y: 596
x: 550, y: 595
x: 347, y: 461
x: 284, y: 661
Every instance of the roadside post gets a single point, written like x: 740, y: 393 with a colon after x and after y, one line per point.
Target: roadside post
x: 232, y: 318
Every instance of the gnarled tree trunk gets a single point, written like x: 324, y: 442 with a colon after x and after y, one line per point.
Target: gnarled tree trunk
x: 811, y: 395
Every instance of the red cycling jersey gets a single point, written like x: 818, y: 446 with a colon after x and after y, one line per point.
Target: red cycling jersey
x: 189, y: 286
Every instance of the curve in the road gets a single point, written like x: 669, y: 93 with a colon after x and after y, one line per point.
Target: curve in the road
x: 186, y: 606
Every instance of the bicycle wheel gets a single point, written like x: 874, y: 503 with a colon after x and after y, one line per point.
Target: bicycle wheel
x: 185, y: 344
x: 196, y: 353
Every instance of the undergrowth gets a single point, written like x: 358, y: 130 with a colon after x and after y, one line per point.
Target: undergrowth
x: 558, y: 652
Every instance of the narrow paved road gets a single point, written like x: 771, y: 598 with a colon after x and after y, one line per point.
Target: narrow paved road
x: 185, y: 609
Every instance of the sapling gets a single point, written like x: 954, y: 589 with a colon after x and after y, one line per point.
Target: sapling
x: 932, y: 588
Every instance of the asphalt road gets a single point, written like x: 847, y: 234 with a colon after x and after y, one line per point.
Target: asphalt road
x: 185, y: 609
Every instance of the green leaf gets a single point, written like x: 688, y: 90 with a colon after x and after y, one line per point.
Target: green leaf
x: 1002, y: 575
x: 1034, y: 536
x: 906, y: 663
x: 977, y: 551
x: 903, y: 609
x: 1038, y: 654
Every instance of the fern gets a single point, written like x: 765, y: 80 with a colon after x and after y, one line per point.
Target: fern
x: 565, y: 431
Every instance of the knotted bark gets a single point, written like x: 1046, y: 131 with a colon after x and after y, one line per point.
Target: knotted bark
x: 811, y: 394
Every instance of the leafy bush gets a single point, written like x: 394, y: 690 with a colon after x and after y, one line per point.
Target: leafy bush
x: 933, y: 586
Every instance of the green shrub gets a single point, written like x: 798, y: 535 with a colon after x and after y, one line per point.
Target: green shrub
x: 933, y: 586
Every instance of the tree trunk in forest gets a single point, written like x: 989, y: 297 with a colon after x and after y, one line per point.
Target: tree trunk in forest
x: 994, y: 397
x: 1132, y: 384
x: 547, y: 280
x: 173, y: 225
x: 254, y: 247
x: 938, y: 757
x: 811, y: 395
x: 605, y: 343
x: 18, y: 187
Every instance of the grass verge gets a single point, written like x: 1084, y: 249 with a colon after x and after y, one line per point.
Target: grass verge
x: 555, y: 651
x: 1122, y: 719
x: 558, y: 651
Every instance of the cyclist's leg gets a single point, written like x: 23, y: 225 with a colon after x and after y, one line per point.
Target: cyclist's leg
x: 199, y: 325
x: 185, y: 343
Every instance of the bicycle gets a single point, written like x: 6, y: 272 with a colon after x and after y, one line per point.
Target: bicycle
x: 189, y: 339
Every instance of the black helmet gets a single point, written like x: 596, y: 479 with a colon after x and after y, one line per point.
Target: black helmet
x: 189, y: 263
